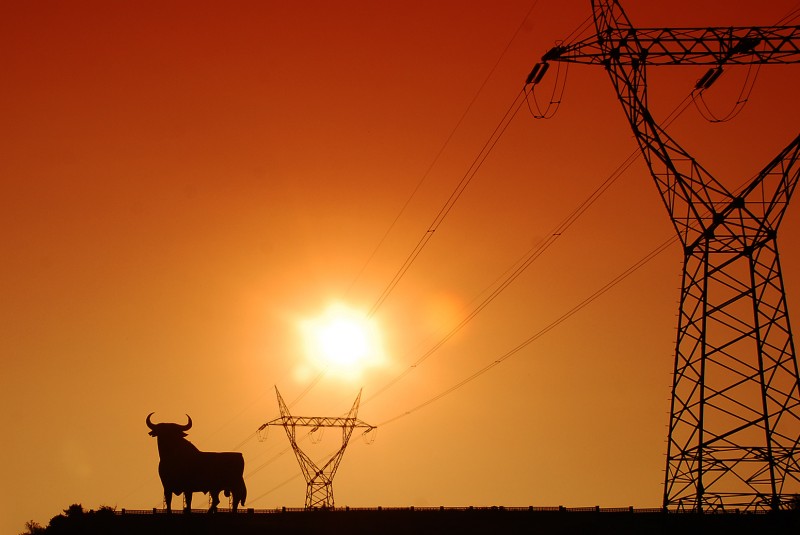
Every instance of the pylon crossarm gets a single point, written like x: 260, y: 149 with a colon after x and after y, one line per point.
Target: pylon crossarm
x: 319, y: 421
x: 692, y: 196
x: 743, y: 45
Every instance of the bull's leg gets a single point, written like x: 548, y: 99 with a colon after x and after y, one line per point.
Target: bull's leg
x: 239, y: 495
x: 214, y: 501
x: 168, y: 500
x: 187, y: 497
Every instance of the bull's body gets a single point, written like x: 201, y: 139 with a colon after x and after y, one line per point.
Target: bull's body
x: 184, y: 469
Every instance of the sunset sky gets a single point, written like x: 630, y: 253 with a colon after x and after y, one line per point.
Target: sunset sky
x: 188, y: 185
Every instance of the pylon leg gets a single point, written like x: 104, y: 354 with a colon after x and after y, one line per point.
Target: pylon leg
x: 319, y: 494
x: 735, y: 418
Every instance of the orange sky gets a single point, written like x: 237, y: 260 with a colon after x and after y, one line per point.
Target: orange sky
x: 185, y: 181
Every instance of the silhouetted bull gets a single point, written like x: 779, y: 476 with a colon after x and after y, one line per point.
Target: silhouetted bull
x: 185, y: 469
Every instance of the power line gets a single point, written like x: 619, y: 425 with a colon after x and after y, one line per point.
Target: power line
x: 454, y: 196
x: 451, y: 201
x: 531, y: 339
x: 582, y: 304
x: 790, y: 16
x: 534, y: 253
x: 552, y: 325
x: 424, y: 240
x: 444, y: 145
x: 443, y: 212
x: 269, y: 461
x: 515, y: 271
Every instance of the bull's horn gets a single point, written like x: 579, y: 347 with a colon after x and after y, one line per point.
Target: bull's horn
x: 150, y: 424
x: 188, y: 425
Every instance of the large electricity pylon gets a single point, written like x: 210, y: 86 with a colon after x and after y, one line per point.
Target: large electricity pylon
x: 319, y: 480
x: 735, y: 415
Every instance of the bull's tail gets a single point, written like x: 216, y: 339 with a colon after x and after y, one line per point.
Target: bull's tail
x: 244, y: 493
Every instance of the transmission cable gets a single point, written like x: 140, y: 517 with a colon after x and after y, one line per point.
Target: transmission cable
x: 520, y: 267
x: 444, y: 211
x: 555, y: 96
x: 454, y: 196
x: 443, y: 147
x: 574, y: 310
x: 515, y: 271
x: 542, y: 246
x: 744, y: 95
x: 440, y: 216
x: 451, y: 201
x: 533, y: 254
x: 552, y: 325
x: 790, y: 16
x: 537, y: 251
x: 747, y: 86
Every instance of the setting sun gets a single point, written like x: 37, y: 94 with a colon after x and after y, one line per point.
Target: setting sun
x: 342, y: 340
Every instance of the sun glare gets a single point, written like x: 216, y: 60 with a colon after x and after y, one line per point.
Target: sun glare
x: 343, y: 341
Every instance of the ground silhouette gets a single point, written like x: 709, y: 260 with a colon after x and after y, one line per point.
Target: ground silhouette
x: 553, y: 521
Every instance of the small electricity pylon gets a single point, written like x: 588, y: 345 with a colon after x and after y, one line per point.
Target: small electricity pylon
x: 734, y: 431
x: 319, y: 480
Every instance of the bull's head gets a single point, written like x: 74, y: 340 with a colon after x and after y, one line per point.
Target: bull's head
x: 168, y: 430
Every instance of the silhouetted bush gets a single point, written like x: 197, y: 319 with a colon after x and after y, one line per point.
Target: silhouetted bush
x: 74, y: 511
x: 33, y: 528
x: 75, y: 520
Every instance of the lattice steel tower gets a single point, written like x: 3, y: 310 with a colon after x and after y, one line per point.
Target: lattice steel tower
x: 319, y: 480
x: 735, y: 414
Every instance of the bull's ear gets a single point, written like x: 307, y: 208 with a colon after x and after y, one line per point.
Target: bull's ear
x: 149, y: 423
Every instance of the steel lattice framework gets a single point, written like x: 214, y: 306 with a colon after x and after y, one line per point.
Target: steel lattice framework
x: 735, y: 415
x: 319, y: 480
